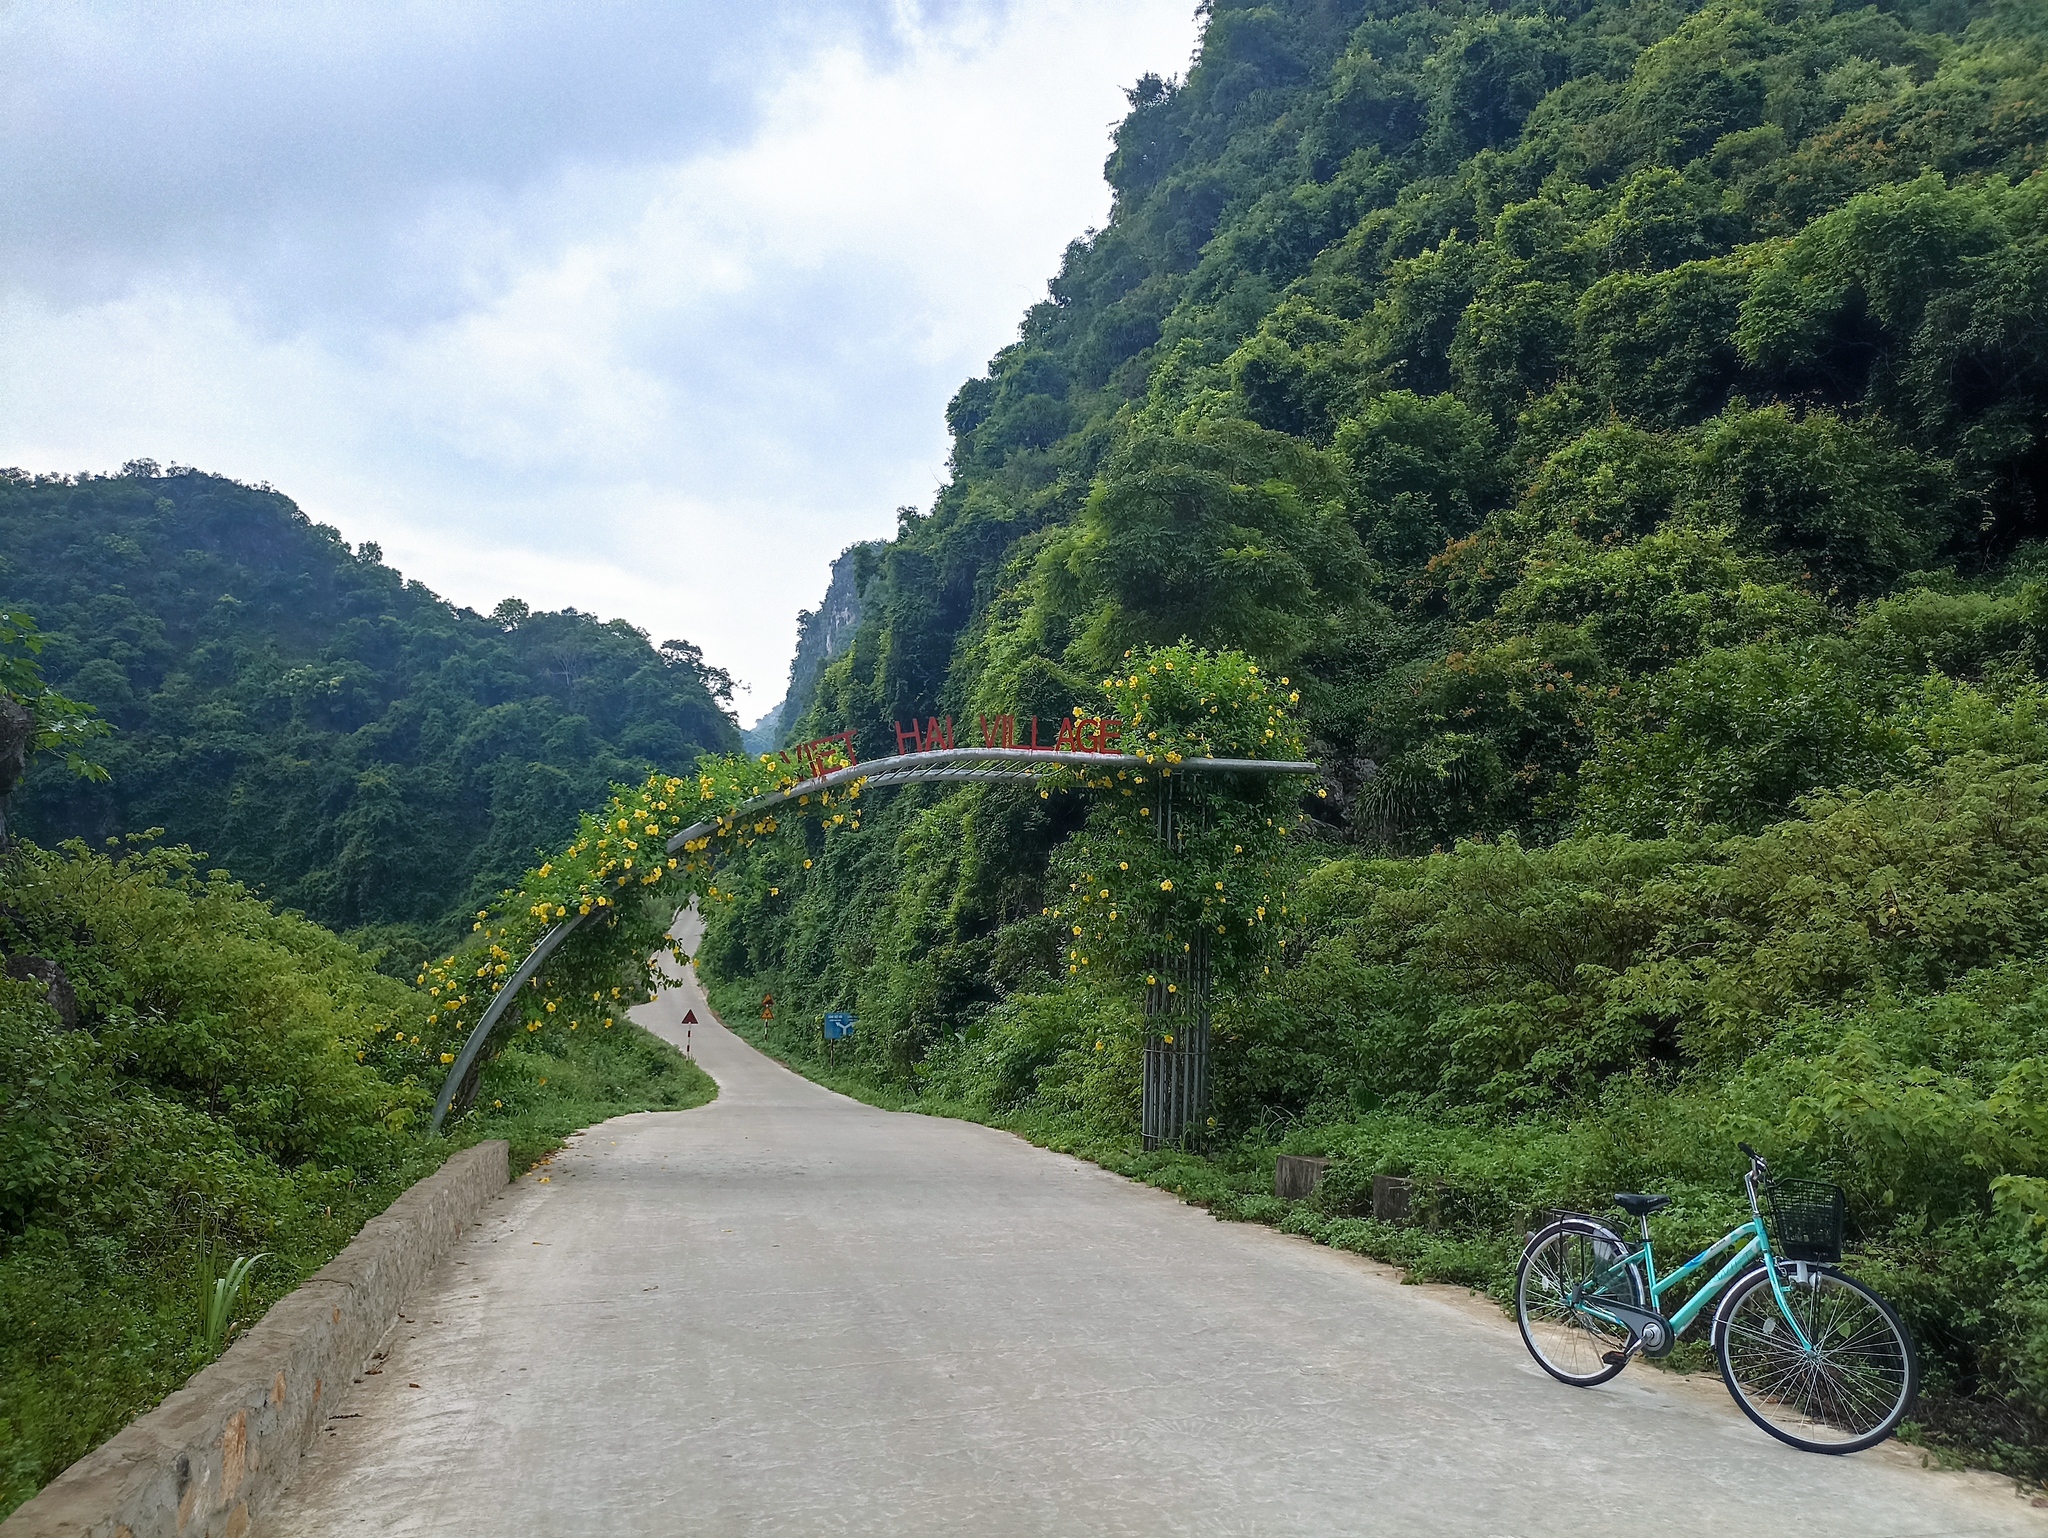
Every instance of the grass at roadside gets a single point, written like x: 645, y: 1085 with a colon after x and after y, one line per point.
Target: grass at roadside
x: 1235, y: 1183
x: 98, y: 1330
x: 534, y: 1097
x: 231, y: 1083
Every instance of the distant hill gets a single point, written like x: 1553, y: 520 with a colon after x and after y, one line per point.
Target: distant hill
x: 343, y: 738
x: 766, y: 733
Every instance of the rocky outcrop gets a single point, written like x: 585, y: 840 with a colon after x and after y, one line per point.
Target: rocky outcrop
x: 56, y: 986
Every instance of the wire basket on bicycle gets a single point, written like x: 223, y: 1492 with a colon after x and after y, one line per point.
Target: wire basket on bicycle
x: 1804, y: 1218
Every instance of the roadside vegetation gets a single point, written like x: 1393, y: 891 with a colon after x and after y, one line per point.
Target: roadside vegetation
x: 1611, y: 441
x: 213, y: 1079
x: 1624, y: 427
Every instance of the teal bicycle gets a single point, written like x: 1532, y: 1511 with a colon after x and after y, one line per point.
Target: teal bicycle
x: 1814, y: 1357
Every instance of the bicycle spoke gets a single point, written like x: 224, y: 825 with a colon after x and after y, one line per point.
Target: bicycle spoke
x: 1847, y: 1384
x: 1564, y: 1271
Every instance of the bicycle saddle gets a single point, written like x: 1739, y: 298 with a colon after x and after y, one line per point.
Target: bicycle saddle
x: 1636, y: 1205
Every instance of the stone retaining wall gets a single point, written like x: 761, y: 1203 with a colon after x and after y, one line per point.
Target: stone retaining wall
x: 206, y: 1460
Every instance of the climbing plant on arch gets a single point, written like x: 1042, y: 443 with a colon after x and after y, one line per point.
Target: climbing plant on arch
x: 579, y: 941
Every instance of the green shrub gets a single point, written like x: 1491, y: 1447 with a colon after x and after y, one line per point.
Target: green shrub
x: 215, y: 1101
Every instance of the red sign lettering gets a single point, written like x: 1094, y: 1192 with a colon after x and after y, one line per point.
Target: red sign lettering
x: 820, y: 755
x: 1077, y: 734
x: 937, y: 736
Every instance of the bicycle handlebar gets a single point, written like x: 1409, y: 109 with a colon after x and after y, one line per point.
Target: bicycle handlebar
x: 1756, y: 1159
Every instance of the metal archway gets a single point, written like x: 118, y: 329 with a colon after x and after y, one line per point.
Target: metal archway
x: 1010, y: 766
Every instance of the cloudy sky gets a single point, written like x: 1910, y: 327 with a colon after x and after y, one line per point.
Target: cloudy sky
x: 645, y: 307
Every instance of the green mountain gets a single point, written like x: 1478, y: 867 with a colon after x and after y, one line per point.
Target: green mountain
x: 342, y: 739
x: 1623, y: 425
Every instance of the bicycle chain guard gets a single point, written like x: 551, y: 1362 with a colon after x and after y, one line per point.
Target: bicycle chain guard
x: 1648, y: 1331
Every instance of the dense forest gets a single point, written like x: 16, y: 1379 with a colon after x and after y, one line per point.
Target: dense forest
x: 1622, y: 427
x: 342, y: 739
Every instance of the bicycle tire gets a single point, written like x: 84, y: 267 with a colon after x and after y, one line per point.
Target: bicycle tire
x: 1848, y: 1393
x: 1567, y: 1343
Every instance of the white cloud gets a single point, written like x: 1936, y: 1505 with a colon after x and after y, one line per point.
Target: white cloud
x: 658, y: 382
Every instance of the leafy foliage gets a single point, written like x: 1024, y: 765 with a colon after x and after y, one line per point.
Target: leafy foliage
x: 58, y: 725
x: 229, y: 1090
x: 338, y: 736
x: 1623, y: 428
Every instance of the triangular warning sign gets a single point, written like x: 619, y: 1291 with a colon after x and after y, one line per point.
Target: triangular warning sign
x: 689, y: 1017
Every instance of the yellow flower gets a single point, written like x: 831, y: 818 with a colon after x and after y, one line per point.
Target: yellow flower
x: 1166, y: 886
x: 447, y: 1057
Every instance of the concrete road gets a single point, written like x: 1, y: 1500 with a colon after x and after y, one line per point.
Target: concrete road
x: 788, y: 1313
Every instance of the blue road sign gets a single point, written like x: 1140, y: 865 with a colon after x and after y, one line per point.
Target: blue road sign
x: 838, y: 1026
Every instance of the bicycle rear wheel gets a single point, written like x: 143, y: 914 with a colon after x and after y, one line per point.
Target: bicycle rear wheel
x: 1846, y: 1390
x: 1575, y: 1258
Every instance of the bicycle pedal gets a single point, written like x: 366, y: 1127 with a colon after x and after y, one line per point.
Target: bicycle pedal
x: 1615, y: 1358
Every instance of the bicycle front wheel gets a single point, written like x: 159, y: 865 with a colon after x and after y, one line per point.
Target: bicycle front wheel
x: 1843, y: 1391
x: 1570, y: 1261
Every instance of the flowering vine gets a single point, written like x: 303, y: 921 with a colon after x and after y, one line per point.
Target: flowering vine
x: 1169, y: 859
x: 618, y: 879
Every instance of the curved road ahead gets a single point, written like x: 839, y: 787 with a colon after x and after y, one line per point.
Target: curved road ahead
x: 785, y: 1312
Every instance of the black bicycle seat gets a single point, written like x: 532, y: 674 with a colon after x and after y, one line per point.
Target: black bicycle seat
x: 1637, y: 1205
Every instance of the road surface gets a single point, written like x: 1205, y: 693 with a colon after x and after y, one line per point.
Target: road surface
x: 785, y: 1312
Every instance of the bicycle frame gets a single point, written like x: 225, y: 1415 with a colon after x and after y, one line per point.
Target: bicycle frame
x: 1755, y: 1242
